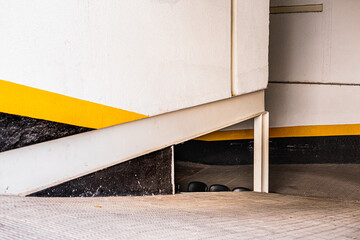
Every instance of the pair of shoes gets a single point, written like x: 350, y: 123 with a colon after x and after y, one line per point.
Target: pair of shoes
x: 202, y: 187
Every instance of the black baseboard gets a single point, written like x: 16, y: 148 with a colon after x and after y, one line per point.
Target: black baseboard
x: 294, y: 150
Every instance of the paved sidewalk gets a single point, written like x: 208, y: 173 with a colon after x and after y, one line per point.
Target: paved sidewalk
x: 242, y: 215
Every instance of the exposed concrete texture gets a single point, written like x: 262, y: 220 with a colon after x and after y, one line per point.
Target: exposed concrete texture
x: 183, y: 216
x: 341, y: 181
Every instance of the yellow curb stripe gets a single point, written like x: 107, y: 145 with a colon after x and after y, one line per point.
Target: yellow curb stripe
x: 281, y: 132
x: 31, y: 102
x: 228, y: 135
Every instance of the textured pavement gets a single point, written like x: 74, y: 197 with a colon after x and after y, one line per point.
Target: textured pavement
x: 227, y: 215
x: 341, y: 181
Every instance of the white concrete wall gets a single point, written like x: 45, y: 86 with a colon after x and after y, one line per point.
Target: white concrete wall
x: 144, y: 56
x: 314, y: 48
x: 250, y: 45
x: 310, y: 104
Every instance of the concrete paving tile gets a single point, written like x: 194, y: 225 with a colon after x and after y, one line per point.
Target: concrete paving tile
x: 226, y: 215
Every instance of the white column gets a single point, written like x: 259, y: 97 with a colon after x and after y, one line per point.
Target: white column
x: 172, y: 170
x: 265, y: 153
x: 261, y: 153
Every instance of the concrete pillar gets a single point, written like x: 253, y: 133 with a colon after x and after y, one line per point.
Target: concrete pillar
x: 261, y: 153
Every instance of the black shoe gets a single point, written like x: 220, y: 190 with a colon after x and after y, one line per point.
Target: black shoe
x: 197, y: 187
x: 241, y: 189
x: 218, y: 188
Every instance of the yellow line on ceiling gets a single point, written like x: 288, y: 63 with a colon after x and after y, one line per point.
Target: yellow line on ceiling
x: 31, y: 102
x: 281, y: 132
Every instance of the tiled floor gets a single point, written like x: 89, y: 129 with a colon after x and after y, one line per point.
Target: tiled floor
x: 228, y: 215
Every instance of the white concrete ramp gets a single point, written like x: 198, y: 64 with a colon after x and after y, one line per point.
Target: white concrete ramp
x: 30, y: 169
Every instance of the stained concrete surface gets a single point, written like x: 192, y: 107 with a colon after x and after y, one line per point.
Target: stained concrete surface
x: 227, y: 215
x: 341, y: 181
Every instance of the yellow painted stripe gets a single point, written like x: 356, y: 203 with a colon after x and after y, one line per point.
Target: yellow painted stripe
x: 228, y: 135
x: 31, y: 102
x: 281, y: 132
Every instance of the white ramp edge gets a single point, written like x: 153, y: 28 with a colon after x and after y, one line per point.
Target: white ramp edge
x: 36, y: 167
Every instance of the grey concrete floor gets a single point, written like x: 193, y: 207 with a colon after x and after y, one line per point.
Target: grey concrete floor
x: 341, y: 181
x: 227, y: 215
